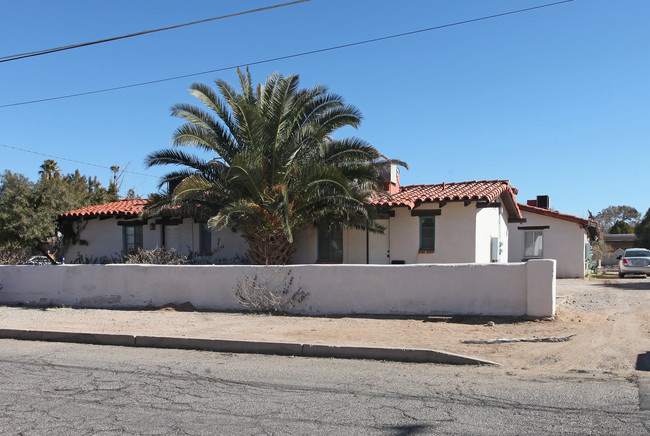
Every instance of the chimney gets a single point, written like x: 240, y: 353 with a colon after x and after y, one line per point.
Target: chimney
x: 543, y: 201
x: 390, y: 174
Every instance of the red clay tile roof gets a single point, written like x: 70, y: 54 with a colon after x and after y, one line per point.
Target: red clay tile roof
x: 411, y: 196
x: 127, y: 207
x: 553, y: 214
x: 591, y: 225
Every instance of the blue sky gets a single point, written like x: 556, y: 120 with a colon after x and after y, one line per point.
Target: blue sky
x: 555, y: 100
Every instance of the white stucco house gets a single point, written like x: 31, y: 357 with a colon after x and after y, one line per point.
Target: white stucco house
x: 444, y: 223
x: 548, y: 234
x: 467, y: 222
x: 107, y: 229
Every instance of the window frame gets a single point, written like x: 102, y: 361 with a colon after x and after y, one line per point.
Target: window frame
x: 205, y: 238
x: 430, y: 246
x: 330, y: 246
x: 534, y: 255
x: 132, y: 241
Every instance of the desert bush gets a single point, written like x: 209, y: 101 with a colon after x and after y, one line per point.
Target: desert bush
x: 13, y: 257
x: 263, y: 295
x: 161, y: 256
x: 81, y: 259
x: 157, y: 256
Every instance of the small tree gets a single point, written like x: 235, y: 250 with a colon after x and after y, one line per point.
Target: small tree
x: 643, y: 232
x: 621, y: 228
x: 600, y: 250
x: 610, y: 215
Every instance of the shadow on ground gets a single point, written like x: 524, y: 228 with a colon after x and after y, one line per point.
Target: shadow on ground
x: 643, y: 362
x: 636, y: 283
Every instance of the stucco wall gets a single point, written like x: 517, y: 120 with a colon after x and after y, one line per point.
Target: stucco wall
x: 354, y: 246
x: 455, y: 231
x: 563, y: 241
x: 490, y: 223
x: 104, y: 238
x: 492, y: 289
x: 462, y: 234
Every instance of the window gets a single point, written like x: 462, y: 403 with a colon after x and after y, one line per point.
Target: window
x: 205, y: 239
x: 131, y: 237
x: 533, y: 243
x: 427, y: 233
x: 330, y: 245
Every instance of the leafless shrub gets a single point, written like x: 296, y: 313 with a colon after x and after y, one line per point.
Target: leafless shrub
x: 157, y: 256
x: 161, y: 256
x: 262, y: 295
x: 93, y: 260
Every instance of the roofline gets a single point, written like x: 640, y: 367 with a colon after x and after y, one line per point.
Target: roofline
x: 83, y: 213
x: 507, y: 196
x: 592, y: 227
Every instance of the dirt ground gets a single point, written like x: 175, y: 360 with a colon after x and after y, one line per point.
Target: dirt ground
x: 609, y: 317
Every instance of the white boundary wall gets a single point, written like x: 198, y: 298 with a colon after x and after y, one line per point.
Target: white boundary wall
x: 422, y: 289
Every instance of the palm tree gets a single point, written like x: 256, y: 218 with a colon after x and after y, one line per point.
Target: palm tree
x: 50, y: 170
x: 277, y: 168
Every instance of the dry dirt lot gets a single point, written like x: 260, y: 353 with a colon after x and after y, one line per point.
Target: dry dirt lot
x: 610, y: 319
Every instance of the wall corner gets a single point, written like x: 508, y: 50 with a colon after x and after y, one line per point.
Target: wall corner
x: 540, y: 287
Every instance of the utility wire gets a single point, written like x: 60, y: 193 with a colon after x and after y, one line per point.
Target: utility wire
x: 72, y: 160
x: 18, y: 56
x: 322, y: 50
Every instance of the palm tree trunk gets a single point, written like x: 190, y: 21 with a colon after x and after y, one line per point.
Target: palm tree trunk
x: 270, y: 249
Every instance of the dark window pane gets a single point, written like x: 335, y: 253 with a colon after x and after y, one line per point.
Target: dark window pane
x: 330, y: 244
x: 205, y: 239
x: 427, y: 233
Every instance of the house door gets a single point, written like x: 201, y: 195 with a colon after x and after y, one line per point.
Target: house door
x: 379, y: 245
x: 172, y: 238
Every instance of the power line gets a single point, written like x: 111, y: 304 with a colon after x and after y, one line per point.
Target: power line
x: 73, y: 160
x: 19, y: 56
x: 279, y: 58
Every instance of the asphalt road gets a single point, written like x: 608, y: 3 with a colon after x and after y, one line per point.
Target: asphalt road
x: 54, y: 388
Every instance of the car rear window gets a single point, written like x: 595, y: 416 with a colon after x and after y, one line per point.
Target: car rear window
x: 637, y: 253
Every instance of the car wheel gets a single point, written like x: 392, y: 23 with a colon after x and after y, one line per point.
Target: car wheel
x: 621, y: 275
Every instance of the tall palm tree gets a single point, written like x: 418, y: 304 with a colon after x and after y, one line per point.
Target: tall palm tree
x: 50, y: 170
x: 274, y: 168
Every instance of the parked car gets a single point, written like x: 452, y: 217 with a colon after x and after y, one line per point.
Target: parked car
x: 39, y: 260
x: 634, y: 261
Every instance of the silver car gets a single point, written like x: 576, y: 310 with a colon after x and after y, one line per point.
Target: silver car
x: 634, y: 261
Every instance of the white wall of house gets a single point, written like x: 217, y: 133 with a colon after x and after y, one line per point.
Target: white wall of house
x: 563, y: 241
x: 491, y: 223
x: 354, y: 246
x: 455, y: 235
x: 489, y: 289
x: 307, y: 251
x: 462, y: 235
x: 105, y: 238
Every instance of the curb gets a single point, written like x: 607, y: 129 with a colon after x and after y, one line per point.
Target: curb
x: 415, y: 355
x: 644, y: 393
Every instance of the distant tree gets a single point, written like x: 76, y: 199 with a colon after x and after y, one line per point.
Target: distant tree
x: 18, y: 225
x: 50, y: 170
x: 28, y: 211
x: 610, y: 215
x: 620, y: 228
x: 643, y: 232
